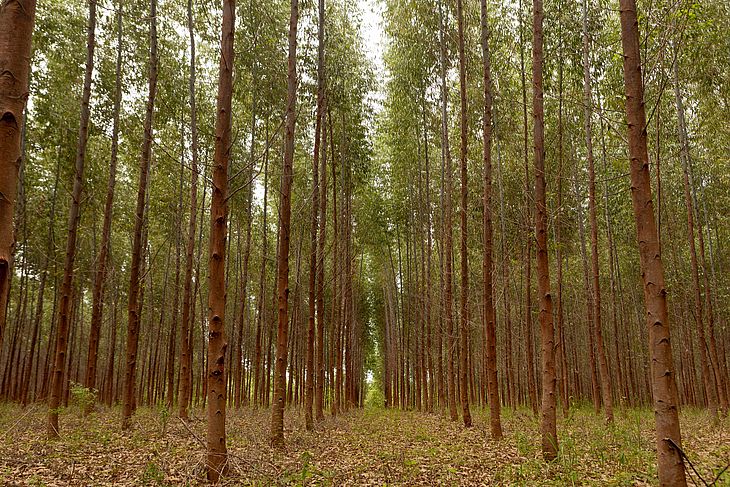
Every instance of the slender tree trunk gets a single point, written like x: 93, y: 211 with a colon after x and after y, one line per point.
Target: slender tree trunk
x: 217, y: 343
x: 64, y: 318
x: 463, y: 316
x: 138, y: 249
x: 171, y: 347
x: 490, y: 311
x: 560, y: 358
x: 282, y: 287
x: 530, y: 350
x: 710, y: 370
x: 186, y: 346
x: 718, y: 359
x: 664, y: 387
x: 109, y: 390
x: 319, y: 394
x: 549, y: 433
x: 336, y: 294
x: 310, y: 372
x: 258, y: 382
x: 447, y: 229
x: 596, y: 281
x: 97, y: 307
x: 240, y: 396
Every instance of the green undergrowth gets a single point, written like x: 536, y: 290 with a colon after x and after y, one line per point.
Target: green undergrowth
x: 372, y: 446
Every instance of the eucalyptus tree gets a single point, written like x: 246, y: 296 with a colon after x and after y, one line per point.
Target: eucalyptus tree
x: 664, y: 387
x: 282, y: 277
x: 16, y: 27
x: 134, y: 308
x: 64, y: 314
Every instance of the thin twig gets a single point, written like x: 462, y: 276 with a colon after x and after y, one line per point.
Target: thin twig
x: 193, y: 433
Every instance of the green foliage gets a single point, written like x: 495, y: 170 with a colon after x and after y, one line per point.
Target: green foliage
x: 83, y: 397
x: 152, y: 474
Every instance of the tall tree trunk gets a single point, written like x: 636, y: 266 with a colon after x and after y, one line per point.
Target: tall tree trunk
x: 217, y: 343
x: 64, y: 318
x: 16, y: 28
x: 463, y: 314
x: 708, y: 362
x: 490, y: 312
x: 530, y: 350
x: 560, y: 358
x: 718, y: 360
x: 138, y: 249
x: 244, y: 313
x: 547, y: 338
x: 186, y: 346
x: 319, y: 394
x: 97, y: 307
x: 447, y: 228
x: 261, y: 307
x: 310, y: 372
x: 664, y: 387
x: 336, y: 273
x: 596, y: 278
x: 282, y: 287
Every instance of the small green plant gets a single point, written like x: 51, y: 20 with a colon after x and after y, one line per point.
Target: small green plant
x: 152, y: 474
x: 164, y: 419
x: 84, y: 397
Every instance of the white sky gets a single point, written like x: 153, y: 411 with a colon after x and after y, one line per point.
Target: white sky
x: 372, y: 31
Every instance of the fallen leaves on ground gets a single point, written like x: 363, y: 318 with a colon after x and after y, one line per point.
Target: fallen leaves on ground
x: 361, y: 447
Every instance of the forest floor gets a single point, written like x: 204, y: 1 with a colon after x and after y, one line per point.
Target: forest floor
x: 364, y: 447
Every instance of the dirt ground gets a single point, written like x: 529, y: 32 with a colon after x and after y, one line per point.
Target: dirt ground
x: 363, y: 447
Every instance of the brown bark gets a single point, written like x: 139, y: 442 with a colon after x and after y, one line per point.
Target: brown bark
x: 595, y: 383
x: 137, y: 264
x: 336, y: 294
x: 447, y: 229
x: 310, y: 372
x: 186, y: 348
x: 282, y: 287
x: 560, y: 357
x: 529, y: 347
x: 547, y: 338
x: 64, y: 318
x: 463, y: 316
x: 710, y: 370
x: 244, y: 315
x: 258, y: 382
x: 97, y: 307
x: 664, y: 388
x: 16, y: 27
x: 718, y: 360
x: 216, y: 463
x: 319, y: 393
x: 595, y: 274
x: 490, y: 312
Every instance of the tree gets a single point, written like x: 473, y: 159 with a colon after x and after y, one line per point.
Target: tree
x: 134, y: 306
x: 64, y: 313
x: 217, y: 343
x: 596, y: 281
x: 185, y: 393
x: 16, y: 28
x: 97, y: 309
x: 549, y: 433
x: 664, y: 388
x: 490, y: 311
x: 314, y: 229
x: 447, y: 227
x: 282, y: 277
x: 463, y: 316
